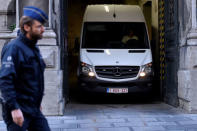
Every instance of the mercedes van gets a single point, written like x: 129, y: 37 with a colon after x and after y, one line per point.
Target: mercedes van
x: 111, y: 59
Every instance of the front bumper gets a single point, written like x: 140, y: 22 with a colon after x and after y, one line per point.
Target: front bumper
x: 92, y: 84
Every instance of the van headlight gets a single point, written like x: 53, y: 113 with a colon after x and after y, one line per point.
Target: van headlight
x: 146, y: 69
x: 87, y: 69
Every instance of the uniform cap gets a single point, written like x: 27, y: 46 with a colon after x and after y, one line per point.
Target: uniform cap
x: 35, y: 13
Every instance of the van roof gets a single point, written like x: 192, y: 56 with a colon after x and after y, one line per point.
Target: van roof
x: 113, y: 13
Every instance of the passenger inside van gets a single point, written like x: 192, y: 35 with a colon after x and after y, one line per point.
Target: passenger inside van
x: 130, y: 36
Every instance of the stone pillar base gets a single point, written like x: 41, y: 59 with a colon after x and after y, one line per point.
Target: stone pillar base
x: 187, y: 74
x: 53, y: 102
x: 187, y: 89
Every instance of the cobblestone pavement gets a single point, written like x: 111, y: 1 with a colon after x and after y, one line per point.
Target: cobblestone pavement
x: 156, y: 116
x: 120, y: 116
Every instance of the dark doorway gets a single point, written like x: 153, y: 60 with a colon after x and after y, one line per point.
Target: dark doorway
x: 75, y: 13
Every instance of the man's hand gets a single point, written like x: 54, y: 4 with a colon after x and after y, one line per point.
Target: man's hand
x: 17, y: 117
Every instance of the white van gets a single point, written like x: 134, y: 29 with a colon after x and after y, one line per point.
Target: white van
x: 115, y: 53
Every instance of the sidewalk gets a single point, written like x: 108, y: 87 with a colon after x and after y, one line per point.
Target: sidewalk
x: 122, y: 117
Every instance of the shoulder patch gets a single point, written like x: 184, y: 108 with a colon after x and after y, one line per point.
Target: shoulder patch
x: 9, y: 58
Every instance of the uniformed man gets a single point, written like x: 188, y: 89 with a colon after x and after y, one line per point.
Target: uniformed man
x: 22, y: 75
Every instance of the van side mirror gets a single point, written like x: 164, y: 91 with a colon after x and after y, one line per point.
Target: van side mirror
x: 76, y: 47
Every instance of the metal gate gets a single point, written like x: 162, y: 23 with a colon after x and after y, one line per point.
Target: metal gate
x: 168, y: 19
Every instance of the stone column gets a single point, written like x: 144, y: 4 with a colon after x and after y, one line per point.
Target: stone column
x: 187, y: 74
x: 7, y: 20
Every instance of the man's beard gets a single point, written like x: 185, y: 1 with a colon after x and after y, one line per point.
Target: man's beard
x: 34, y: 36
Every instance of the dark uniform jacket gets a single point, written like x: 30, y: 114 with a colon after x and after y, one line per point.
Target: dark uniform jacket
x: 21, y: 75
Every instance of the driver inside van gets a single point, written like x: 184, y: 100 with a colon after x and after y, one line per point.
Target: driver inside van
x: 129, y: 36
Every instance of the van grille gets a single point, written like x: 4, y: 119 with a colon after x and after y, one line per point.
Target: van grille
x: 117, y: 72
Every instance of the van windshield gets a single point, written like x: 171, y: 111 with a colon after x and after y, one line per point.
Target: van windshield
x: 115, y: 35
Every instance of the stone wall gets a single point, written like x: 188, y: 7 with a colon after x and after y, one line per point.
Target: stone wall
x: 53, y: 102
x: 187, y: 74
x: 185, y: 20
x: 7, y: 14
x: 7, y: 18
